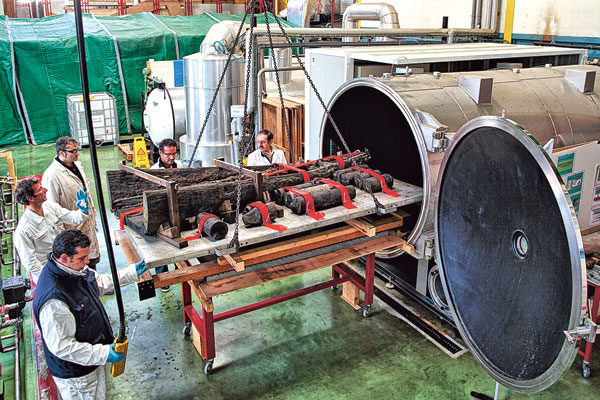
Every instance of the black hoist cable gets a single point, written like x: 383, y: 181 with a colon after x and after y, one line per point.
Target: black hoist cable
x: 92, y: 141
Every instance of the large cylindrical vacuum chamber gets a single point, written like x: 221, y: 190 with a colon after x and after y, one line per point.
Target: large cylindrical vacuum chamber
x: 381, y: 114
x: 201, y: 77
x: 505, y: 232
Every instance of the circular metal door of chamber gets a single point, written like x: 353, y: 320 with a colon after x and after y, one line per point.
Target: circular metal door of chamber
x: 510, y: 253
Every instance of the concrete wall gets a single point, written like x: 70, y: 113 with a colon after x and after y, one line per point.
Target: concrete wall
x: 556, y: 18
x: 532, y: 17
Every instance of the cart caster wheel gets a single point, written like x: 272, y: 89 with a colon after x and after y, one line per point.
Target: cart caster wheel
x: 333, y: 288
x: 187, y: 329
x: 208, y: 367
x: 586, y: 370
x: 365, y: 311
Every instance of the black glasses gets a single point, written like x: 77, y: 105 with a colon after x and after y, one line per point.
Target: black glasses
x: 74, y: 151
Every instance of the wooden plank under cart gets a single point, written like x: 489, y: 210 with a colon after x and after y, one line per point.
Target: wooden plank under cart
x: 157, y: 252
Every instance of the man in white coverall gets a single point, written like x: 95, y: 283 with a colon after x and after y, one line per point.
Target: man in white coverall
x: 76, y: 333
x: 63, y: 178
x: 266, y: 154
x: 41, y: 222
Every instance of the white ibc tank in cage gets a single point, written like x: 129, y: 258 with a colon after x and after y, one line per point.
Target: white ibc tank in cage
x: 104, y: 118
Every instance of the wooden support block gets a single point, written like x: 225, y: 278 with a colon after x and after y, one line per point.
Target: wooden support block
x: 351, y: 294
x: 171, y: 233
x: 236, y: 263
x: 408, y: 248
x: 363, y: 225
x: 206, y: 301
x: 179, y: 242
x: 198, y: 343
x: 280, y: 211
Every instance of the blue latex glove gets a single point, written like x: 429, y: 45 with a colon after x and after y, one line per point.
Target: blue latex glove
x: 82, y: 201
x: 113, y: 356
x: 140, y: 267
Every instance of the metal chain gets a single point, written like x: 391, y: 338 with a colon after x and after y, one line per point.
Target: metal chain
x: 312, y: 84
x: 214, y: 99
x: 378, y: 205
x: 283, y: 113
x: 244, y: 147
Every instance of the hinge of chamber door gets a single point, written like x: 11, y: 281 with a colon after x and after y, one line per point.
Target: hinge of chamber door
x: 434, y: 133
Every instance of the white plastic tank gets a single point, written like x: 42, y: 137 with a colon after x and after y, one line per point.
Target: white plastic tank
x: 164, y: 114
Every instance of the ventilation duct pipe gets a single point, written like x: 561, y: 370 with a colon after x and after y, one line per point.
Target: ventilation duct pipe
x: 384, y: 13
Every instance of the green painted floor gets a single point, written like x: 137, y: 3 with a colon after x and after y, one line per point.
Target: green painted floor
x: 314, y: 347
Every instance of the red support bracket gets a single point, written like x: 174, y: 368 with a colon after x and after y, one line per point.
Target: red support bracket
x: 285, y: 168
x: 200, y: 226
x: 123, y: 214
x: 264, y: 212
x: 384, y: 187
x: 310, y: 204
x: 346, y: 200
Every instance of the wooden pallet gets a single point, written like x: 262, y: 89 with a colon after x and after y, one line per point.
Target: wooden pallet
x: 273, y: 121
x: 126, y: 151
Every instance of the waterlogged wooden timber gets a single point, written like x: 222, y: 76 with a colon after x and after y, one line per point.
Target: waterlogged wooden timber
x: 253, y: 217
x: 125, y: 190
x: 321, y: 199
x: 208, y: 196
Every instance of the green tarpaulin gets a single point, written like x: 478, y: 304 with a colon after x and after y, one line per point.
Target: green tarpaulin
x: 11, y: 128
x: 117, y: 49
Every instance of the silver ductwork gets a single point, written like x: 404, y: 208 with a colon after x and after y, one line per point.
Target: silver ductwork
x: 384, y: 13
x: 223, y: 32
x: 299, y: 12
x: 202, y: 72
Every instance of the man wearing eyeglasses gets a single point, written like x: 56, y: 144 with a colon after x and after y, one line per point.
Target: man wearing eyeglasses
x: 167, y: 150
x: 63, y: 178
x: 266, y: 153
x: 41, y: 222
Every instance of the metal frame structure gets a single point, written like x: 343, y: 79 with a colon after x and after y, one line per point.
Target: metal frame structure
x: 587, y: 353
x: 204, y: 325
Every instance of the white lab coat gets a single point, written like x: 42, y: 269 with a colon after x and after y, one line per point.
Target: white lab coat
x: 58, y: 327
x: 62, y: 186
x: 178, y: 164
x: 35, y: 234
x: 256, y: 158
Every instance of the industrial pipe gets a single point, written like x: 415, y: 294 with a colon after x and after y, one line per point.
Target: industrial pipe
x: 384, y: 13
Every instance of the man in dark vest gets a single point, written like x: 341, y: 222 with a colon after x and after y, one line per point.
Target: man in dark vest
x: 76, y: 332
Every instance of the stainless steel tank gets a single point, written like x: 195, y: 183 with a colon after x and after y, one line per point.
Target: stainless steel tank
x: 389, y: 116
x: 201, y: 76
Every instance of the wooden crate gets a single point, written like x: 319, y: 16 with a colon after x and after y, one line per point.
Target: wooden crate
x: 273, y: 121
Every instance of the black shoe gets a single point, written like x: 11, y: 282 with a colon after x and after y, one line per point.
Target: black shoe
x: 165, y: 289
